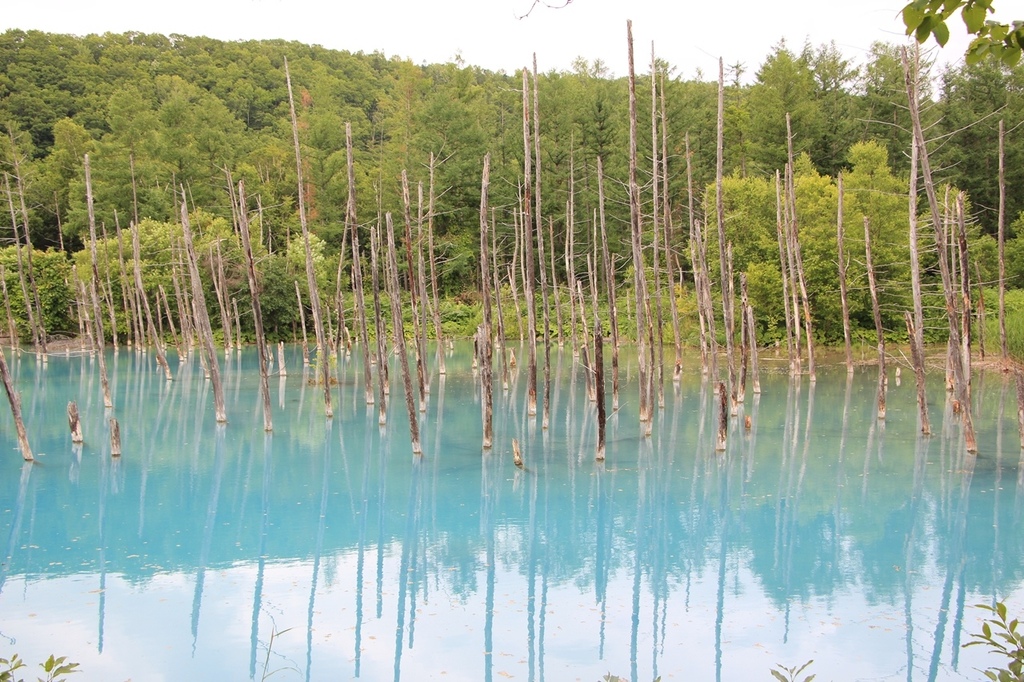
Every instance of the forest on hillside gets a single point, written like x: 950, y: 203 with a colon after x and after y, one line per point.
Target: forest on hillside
x: 161, y: 116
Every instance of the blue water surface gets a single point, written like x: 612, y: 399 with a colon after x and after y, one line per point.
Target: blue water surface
x: 326, y: 550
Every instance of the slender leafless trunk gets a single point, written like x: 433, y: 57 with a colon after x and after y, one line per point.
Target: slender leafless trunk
x: 201, y: 316
x: 257, y: 312
x: 794, y: 235
x: 15, y: 401
x: 485, y: 292
x: 727, y: 285
x: 644, y: 335
x: 314, y: 292
x: 352, y: 226
x: 383, y: 388
x: 1002, y: 244
x: 398, y: 329
x: 527, y: 231
x: 877, y: 314
x: 840, y: 243
x: 161, y: 359
x: 784, y: 263
x: 959, y: 381
x: 94, y: 282
x: 916, y: 324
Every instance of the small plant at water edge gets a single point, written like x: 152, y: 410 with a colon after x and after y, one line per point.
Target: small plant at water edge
x: 1002, y: 637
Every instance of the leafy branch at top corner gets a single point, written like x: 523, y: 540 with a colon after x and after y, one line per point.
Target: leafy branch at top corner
x: 1003, y: 42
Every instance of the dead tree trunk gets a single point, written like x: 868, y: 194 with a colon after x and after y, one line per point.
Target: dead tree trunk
x: 659, y: 317
x: 12, y: 332
x: 382, y: 354
x: 1002, y: 243
x: 727, y: 287
x: 438, y: 331
x: 302, y: 324
x: 877, y: 313
x: 15, y: 402
x: 916, y: 325
x: 314, y: 292
x: 74, y: 423
x: 794, y: 235
x: 161, y: 359
x: 644, y: 335
x: 527, y: 232
x: 485, y: 292
x: 257, y: 312
x: 395, y: 294
x: 723, y: 418
x: 201, y: 316
x: 784, y: 261
x: 352, y: 226
x: 960, y: 384
x: 840, y: 243
x: 97, y: 319
x: 15, y: 158
x: 609, y: 281
x: 30, y: 312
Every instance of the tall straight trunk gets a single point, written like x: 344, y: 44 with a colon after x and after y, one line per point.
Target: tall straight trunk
x: 12, y: 332
x: 546, y: 410
x: 15, y: 158
x: 1002, y: 245
x: 965, y: 294
x: 421, y: 336
x: 556, y: 303
x: 496, y: 281
x: 486, y: 374
x: 223, y: 298
x: 413, y: 293
x: 93, y: 283
x: 342, y: 339
x: 784, y: 263
x: 671, y: 258
x: 721, y: 440
x: 108, y: 291
x: 302, y: 323
x: 840, y: 243
x: 794, y: 235
x: 752, y: 341
x: 1020, y: 404
x: 170, y: 320
x: 609, y: 281
x: 129, y: 300
x: 959, y: 381
x: 187, y: 326
x: 398, y: 329
x: 262, y: 353
x: 314, y: 292
x: 15, y: 401
x: 569, y: 256
x: 727, y: 290
x: 980, y: 312
x: 915, y: 325
x: 706, y: 296
x: 157, y: 341
x: 705, y: 358
x: 201, y: 316
x: 438, y: 332
x: 644, y: 336
x: 352, y: 226
x: 602, y: 415
x: 877, y: 314
x: 30, y: 310
x: 744, y: 338
x: 657, y: 228
x: 382, y: 356
x: 527, y: 232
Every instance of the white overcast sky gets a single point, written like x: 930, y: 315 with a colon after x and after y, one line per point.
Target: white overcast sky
x: 689, y: 34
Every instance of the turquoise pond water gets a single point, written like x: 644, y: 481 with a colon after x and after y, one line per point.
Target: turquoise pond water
x: 326, y: 551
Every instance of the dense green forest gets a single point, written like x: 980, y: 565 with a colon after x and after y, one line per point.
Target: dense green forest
x: 158, y: 113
